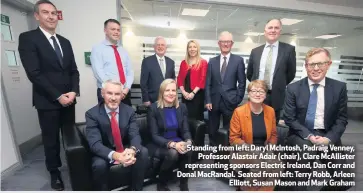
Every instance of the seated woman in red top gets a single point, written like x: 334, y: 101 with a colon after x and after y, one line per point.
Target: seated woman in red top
x: 191, y: 80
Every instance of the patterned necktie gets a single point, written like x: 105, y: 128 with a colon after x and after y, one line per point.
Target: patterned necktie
x: 268, y: 66
x: 162, y: 67
x: 57, y: 50
x: 117, y: 139
x: 310, y: 114
x: 119, y: 65
x: 224, y: 67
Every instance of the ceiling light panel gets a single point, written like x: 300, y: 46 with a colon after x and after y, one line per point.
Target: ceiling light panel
x: 195, y: 12
x: 287, y: 21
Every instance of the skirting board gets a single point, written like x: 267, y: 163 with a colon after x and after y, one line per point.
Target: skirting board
x: 30, y: 145
x: 10, y: 171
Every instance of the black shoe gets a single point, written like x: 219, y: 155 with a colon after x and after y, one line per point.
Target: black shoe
x: 57, y: 182
x: 184, y: 187
x: 162, y: 187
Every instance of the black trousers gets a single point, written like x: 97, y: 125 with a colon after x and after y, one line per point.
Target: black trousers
x: 101, y: 168
x: 268, y: 101
x: 126, y: 100
x: 51, y: 122
x: 214, y: 117
x: 296, y: 140
x: 169, y: 158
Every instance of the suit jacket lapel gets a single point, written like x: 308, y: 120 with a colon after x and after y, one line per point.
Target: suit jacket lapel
x: 279, y: 57
x: 43, y: 40
x: 304, y: 95
x: 122, y: 130
x: 231, y: 57
x: 161, y: 113
x: 105, y: 119
x: 62, y: 46
x: 217, y: 67
x: 258, y: 61
x: 328, y: 99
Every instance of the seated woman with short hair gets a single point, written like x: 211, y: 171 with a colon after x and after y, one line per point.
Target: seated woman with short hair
x: 254, y: 123
x: 168, y: 121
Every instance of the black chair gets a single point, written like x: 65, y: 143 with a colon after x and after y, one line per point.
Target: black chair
x: 79, y: 156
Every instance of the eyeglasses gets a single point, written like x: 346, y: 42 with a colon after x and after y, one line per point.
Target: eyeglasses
x: 319, y: 64
x: 261, y: 92
x: 226, y: 42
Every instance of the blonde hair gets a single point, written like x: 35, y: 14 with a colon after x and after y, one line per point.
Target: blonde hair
x: 314, y: 51
x: 187, y: 57
x: 163, y: 85
x: 258, y: 84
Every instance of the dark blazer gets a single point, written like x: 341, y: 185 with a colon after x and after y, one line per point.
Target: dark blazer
x: 217, y: 89
x: 335, y: 108
x: 50, y: 79
x: 156, y: 121
x: 284, y: 73
x: 99, y: 132
x: 151, y: 76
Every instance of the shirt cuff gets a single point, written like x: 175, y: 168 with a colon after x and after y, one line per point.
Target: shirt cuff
x: 110, y: 156
x: 59, y: 97
x: 307, y: 138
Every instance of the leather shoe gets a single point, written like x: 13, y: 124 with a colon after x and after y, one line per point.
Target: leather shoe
x: 162, y: 187
x: 57, y: 182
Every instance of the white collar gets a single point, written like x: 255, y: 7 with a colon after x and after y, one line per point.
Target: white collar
x: 47, y: 34
x: 228, y: 55
x: 322, y: 82
x: 158, y: 57
x: 276, y: 44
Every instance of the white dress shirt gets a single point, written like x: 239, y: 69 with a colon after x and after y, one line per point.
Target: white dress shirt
x: 48, y: 35
x: 275, y: 51
x: 222, y: 60
x: 319, y: 115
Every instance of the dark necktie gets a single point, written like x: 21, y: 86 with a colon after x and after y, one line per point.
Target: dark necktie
x: 119, y: 65
x: 310, y: 114
x: 57, y: 50
x: 224, y: 67
x: 117, y: 139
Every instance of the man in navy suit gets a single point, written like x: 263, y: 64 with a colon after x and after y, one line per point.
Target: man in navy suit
x: 316, y: 112
x: 154, y: 70
x: 49, y: 63
x: 222, y: 95
x: 113, y: 137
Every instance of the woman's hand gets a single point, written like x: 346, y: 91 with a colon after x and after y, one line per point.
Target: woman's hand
x: 185, y: 94
x: 180, y: 147
x: 191, y: 96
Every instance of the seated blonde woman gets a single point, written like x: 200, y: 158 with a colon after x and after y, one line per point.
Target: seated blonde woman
x: 254, y: 123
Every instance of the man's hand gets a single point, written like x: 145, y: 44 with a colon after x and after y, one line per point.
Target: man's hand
x: 208, y: 106
x: 312, y: 139
x: 64, y: 100
x: 148, y: 103
x: 71, y: 95
x: 322, y: 140
x: 125, y: 91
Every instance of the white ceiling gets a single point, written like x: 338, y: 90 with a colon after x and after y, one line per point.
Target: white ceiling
x: 238, y: 20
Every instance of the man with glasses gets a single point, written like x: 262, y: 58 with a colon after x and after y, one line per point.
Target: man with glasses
x: 316, y: 111
x: 154, y: 70
x: 109, y: 60
x: 274, y: 62
x: 222, y: 95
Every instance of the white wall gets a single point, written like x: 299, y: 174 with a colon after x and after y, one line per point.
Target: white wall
x: 8, y: 147
x: 82, y: 24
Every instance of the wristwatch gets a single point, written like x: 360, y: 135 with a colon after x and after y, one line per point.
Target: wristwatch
x: 135, y: 149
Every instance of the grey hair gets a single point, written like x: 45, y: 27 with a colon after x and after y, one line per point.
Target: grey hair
x: 36, y: 6
x: 114, y: 82
x: 158, y: 38
x: 225, y: 33
x: 268, y: 21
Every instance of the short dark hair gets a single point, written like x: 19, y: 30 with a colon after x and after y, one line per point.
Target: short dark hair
x: 110, y: 21
x: 36, y: 6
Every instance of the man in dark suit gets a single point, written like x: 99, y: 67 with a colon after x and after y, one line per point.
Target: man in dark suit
x: 113, y: 137
x: 316, y: 111
x: 222, y: 95
x: 49, y: 63
x: 274, y: 62
x: 154, y: 70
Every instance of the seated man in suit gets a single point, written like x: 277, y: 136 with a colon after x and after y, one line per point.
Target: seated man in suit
x: 316, y: 111
x: 113, y: 137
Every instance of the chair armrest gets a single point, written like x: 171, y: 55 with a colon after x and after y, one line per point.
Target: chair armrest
x: 78, y: 159
x: 197, y: 130
x: 282, y: 131
x: 141, y: 109
x: 222, y: 136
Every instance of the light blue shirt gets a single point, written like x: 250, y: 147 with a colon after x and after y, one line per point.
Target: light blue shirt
x: 275, y: 51
x: 108, y: 111
x: 104, y: 64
